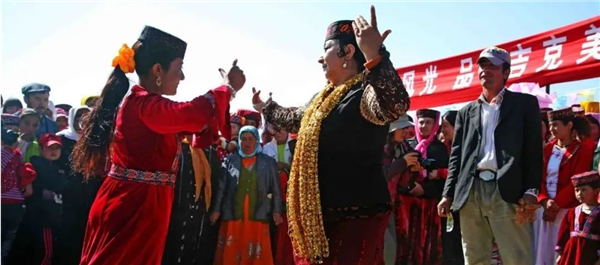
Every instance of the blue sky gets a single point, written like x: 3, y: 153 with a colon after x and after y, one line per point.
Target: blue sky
x: 70, y: 45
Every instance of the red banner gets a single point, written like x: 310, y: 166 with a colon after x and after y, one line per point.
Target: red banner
x: 569, y: 53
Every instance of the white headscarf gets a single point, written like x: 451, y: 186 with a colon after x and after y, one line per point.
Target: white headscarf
x: 52, y: 108
x: 70, y: 132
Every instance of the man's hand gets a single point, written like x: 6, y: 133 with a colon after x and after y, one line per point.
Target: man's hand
x: 444, y: 207
x: 526, y: 210
x: 530, y: 199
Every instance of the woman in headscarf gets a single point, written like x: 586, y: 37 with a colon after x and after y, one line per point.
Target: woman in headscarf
x: 62, y: 119
x: 453, y: 253
x: 401, y: 168
x: 247, y: 199
x: 133, y: 141
x: 78, y: 196
x: 338, y: 202
x: 12, y: 106
x: 426, y: 193
x: 447, y: 128
x: 564, y: 157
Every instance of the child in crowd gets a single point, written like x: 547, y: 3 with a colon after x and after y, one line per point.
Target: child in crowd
x: 62, y: 119
x: 16, y: 185
x: 29, y: 123
x: 10, y: 122
x: 579, y: 234
x: 36, y: 237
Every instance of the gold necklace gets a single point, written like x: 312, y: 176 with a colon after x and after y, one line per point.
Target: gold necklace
x: 304, y: 201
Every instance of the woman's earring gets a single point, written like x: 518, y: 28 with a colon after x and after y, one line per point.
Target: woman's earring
x: 158, y: 81
x: 345, y: 65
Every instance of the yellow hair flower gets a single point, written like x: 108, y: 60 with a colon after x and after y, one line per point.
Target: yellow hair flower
x: 125, y: 59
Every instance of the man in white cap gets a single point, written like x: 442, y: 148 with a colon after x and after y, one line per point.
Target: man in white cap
x: 495, y: 165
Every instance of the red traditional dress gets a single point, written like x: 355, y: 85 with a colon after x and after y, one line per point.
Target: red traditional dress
x: 129, y: 219
x: 284, y: 255
x: 559, y: 166
x: 579, y: 237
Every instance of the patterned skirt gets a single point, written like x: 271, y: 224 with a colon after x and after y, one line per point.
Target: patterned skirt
x: 418, y: 231
x: 244, y: 242
x: 354, y: 241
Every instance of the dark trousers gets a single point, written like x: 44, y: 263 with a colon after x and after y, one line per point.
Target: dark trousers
x: 452, y: 242
x: 12, y: 215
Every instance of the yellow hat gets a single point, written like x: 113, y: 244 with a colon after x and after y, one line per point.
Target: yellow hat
x: 86, y: 99
x: 591, y: 106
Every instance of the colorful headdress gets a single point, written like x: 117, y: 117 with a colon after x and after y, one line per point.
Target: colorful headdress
x: 585, y: 178
x: 560, y: 114
x: 237, y: 119
x: 250, y: 115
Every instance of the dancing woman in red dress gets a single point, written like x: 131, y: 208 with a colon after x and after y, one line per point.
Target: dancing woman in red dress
x: 132, y: 140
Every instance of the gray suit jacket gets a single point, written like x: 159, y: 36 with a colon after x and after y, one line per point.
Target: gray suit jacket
x: 269, y: 196
x: 518, y: 142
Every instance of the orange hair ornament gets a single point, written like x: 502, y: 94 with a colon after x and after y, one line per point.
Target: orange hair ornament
x: 125, y: 59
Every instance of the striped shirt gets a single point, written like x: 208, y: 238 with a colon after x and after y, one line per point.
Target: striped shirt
x: 10, y: 166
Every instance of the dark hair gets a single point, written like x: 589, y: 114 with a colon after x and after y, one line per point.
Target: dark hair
x: 580, y: 125
x: 505, y: 66
x: 593, y: 185
x: 450, y: 116
x: 358, y: 56
x: 592, y: 120
x: 547, y: 125
x: 90, y: 154
x: 12, y: 102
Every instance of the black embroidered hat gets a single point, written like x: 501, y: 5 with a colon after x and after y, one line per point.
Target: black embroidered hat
x: 428, y: 113
x: 162, y: 42
x: 560, y: 114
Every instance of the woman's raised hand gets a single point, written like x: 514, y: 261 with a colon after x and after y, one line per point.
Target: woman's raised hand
x: 368, y: 38
x: 234, y: 77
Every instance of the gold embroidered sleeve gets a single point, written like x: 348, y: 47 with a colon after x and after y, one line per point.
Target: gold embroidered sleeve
x: 285, y: 118
x: 282, y: 117
x: 384, y: 98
